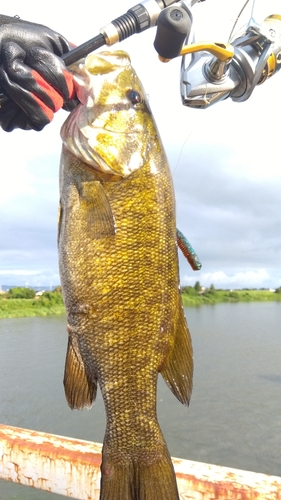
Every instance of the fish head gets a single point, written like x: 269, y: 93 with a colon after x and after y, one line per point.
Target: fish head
x: 112, y: 130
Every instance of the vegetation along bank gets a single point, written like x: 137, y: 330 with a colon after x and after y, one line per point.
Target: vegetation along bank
x: 199, y: 295
x: 22, y: 302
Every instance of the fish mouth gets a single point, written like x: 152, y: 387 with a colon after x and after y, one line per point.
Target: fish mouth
x: 117, y: 132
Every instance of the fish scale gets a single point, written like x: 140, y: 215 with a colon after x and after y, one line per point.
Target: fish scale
x: 119, y: 274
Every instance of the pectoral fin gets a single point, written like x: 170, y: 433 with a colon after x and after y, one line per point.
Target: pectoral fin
x: 178, y: 369
x: 96, y: 209
x: 80, y: 392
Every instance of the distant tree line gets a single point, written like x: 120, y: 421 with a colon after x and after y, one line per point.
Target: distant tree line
x: 18, y: 292
x: 198, y: 289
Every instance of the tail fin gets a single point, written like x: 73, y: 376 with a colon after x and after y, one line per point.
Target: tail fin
x: 149, y: 476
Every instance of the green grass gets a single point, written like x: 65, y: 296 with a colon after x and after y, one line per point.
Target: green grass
x: 52, y: 303
x: 21, y: 308
x: 220, y: 296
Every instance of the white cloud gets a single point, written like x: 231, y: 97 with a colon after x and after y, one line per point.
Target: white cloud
x: 242, y: 279
x: 30, y: 278
x: 18, y: 272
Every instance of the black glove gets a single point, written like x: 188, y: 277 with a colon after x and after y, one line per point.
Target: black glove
x: 32, y: 74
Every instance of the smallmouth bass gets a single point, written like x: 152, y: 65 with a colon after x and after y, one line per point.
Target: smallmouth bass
x: 119, y: 274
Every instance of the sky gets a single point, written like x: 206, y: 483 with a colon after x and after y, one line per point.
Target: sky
x: 225, y: 160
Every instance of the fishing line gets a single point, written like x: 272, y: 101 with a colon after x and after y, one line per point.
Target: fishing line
x: 253, y: 6
x: 231, y: 33
x: 181, y: 151
x: 239, y: 15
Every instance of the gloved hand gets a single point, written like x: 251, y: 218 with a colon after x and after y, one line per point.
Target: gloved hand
x: 32, y: 75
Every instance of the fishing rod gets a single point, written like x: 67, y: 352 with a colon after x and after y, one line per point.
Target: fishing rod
x: 136, y: 20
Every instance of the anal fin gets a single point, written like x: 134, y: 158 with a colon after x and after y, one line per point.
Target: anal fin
x: 80, y: 392
x: 178, y: 369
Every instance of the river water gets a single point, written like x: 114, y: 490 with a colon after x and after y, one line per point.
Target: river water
x: 234, y: 418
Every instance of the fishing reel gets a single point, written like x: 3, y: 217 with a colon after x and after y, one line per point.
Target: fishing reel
x: 211, y: 72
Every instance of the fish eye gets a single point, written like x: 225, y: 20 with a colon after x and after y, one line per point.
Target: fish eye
x: 134, y: 96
